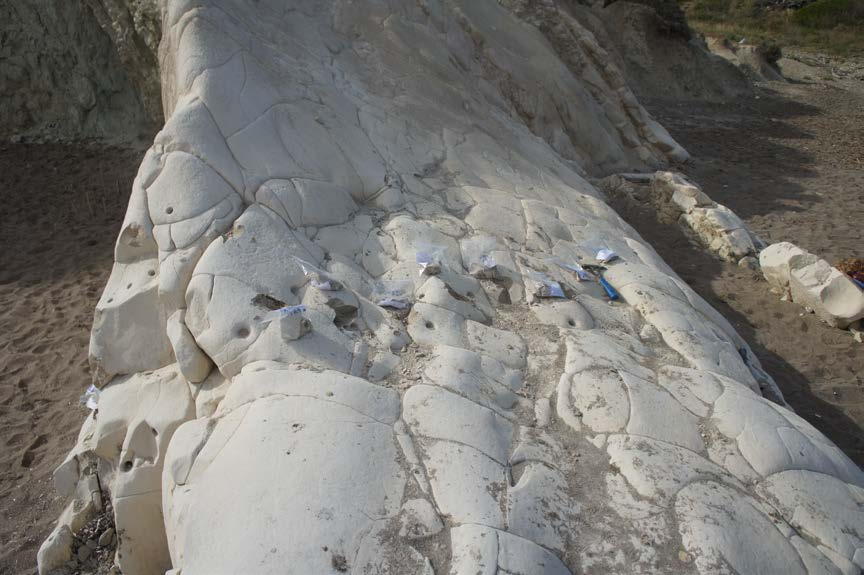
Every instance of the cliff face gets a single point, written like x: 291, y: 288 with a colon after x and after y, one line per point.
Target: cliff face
x: 660, y: 56
x: 135, y: 28
x: 89, y: 68
x: 62, y: 76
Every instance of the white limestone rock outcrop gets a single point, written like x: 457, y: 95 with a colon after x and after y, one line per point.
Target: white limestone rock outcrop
x: 677, y: 200
x: 341, y: 361
x: 812, y: 283
x: 713, y: 224
x: 828, y: 292
x: 777, y: 262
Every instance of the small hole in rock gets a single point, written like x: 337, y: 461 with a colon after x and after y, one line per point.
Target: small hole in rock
x: 151, y: 273
x: 469, y: 294
x: 571, y: 323
x: 346, y: 314
x: 155, y: 433
x: 421, y: 296
x: 504, y: 297
x: 430, y: 325
x: 169, y: 210
x: 243, y: 332
x: 127, y: 466
x: 110, y: 299
x: 129, y: 286
x: 294, y: 290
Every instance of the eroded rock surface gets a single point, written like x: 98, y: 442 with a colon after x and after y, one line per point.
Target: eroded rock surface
x: 679, y: 200
x: 812, y: 283
x: 338, y: 233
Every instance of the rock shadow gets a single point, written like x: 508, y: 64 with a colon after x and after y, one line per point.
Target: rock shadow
x: 743, y: 298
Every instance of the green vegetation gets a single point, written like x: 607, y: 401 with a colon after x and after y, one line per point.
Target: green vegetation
x: 831, y: 26
x: 830, y: 14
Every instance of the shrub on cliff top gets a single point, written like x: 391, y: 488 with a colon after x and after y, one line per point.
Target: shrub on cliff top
x: 827, y: 14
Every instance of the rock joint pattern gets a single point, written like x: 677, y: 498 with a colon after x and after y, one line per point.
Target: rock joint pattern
x: 256, y: 413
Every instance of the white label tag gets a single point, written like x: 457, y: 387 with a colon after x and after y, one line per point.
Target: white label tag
x: 287, y: 311
x: 394, y: 303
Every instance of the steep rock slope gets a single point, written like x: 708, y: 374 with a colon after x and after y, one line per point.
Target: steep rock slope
x: 263, y: 404
x: 664, y: 64
x: 135, y: 27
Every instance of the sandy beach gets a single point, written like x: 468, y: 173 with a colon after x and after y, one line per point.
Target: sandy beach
x: 62, y: 208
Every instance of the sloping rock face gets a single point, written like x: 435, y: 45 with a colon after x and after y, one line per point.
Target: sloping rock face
x: 661, y: 57
x: 342, y: 333
x: 135, y: 28
x: 60, y: 76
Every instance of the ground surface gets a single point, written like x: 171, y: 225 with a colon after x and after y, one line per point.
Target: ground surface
x: 62, y: 208
x: 792, y: 163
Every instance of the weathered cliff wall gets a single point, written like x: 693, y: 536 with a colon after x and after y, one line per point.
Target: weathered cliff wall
x: 61, y: 76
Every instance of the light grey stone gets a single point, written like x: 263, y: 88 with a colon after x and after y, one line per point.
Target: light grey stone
x: 657, y: 470
x: 601, y: 397
x: 778, y: 260
x: 821, y: 507
x: 769, y: 441
x: 479, y: 378
x: 828, y: 292
x: 433, y: 412
x: 436, y: 292
x: 468, y: 486
x: 418, y: 519
x: 718, y: 525
x: 651, y: 408
x: 107, y: 537
x: 505, y: 346
x: 193, y: 363
x: 56, y: 550
x: 305, y: 430
x: 540, y: 507
x: 129, y: 325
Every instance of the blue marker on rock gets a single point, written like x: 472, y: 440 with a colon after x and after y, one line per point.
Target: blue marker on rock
x: 610, y: 291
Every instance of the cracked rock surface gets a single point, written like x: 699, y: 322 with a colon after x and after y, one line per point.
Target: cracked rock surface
x: 420, y: 404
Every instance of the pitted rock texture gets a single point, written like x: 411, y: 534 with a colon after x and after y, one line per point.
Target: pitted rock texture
x: 419, y: 404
